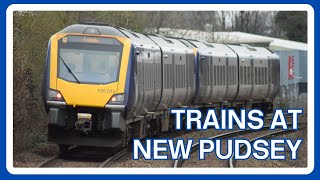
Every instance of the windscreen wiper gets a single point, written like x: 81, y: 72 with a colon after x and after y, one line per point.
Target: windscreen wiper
x: 69, y: 70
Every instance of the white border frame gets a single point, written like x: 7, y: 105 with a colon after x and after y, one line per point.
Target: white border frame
x: 149, y: 7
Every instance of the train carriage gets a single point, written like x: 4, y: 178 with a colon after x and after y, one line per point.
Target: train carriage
x: 104, y: 85
x: 218, y: 73
x: 256, y: 70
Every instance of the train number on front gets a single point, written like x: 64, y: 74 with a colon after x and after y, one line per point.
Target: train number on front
x: 106, y: 91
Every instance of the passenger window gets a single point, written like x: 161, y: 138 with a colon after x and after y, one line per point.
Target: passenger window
x: 266, y: 75
x: 256, y: 75
x: 230, y: 75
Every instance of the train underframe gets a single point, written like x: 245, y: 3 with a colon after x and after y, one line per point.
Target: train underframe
x: 102, y: 127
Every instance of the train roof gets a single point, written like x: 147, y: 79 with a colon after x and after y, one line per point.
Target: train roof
x: 137, y: 38
x: 93, y: 29
x: 154, y: 39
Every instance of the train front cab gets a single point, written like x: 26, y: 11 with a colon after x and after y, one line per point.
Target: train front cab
x: 84, y: 89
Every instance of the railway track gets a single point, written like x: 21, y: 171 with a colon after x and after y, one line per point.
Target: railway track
x: 112, y: 157
x: 232, y: 161
x: 116, y: 155
x: 48, y: 161
x: 179, y: 162
x: 123, y: 152
x: 51, y: 159
x: 79, y: 157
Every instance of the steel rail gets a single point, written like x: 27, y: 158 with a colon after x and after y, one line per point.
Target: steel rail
x: 113, y: 158
x: 52, y: 158
x: 232, y: 161
x: 178, y: 162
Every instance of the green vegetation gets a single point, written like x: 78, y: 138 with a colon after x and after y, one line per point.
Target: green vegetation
x: 32, y: 31
x: 293, y: 24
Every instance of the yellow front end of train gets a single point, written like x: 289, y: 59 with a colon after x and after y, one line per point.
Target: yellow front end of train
x: 96, y: 74
x: 85, y: 93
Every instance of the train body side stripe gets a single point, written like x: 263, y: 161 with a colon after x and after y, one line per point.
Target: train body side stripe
x: 53, y: 62
x: 129, y: 88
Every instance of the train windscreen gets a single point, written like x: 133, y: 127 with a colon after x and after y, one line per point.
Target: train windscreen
x: 89, y: 60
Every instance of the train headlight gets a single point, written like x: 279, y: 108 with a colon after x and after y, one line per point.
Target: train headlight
x: 117, y: 99
x: 55, y: 95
